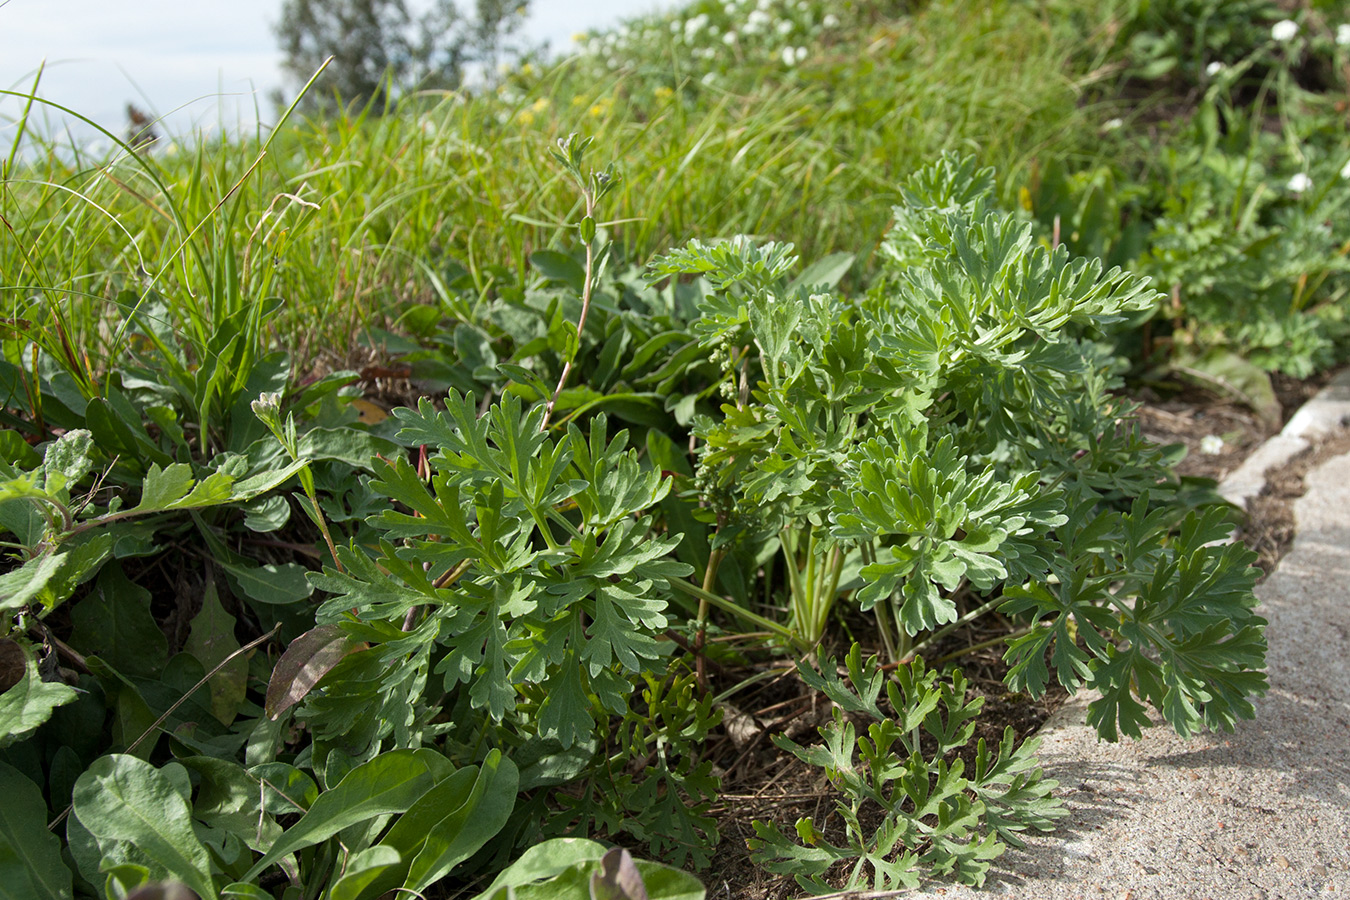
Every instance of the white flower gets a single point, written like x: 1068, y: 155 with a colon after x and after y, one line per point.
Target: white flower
x: 709, y: 78
x: 1214, y: 68
x: 1343, y: 35
x: 1211, y: 445
x: 729, y: 38
x: 1112, y: 124
x: 1345, y: 169
x: 801, y: 53
x: 789, y: 56
x: 1299, y: 183
x: 832, y: 21
x: 784, y: 27
x: 1284, y: 30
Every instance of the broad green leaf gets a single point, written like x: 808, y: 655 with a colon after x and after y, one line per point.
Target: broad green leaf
x: 21, y: 506
x: 115, y: 622
x: 18, y: 452
x: 29, y: 703
x: 824, y: 273
x: 212, y: 640
x: 267, y: 514
x: 543, y: 861
x: 1227, y: 373
x: 84, y: 850
x: 51, y: 578
x: 132, y: 716
x: 19, y: 587
x: 456, y: 833
x: 288, y: 789
x: 228, y: 800
x: 30, y: 856
x: 67, y: 461
x: 352, y: 446
x: 388, y: 784
x: 559, y: 267
x: 122, y: 798
x: 257, y: 485
x: 273, y: 584
x: 163, y: 487
x: 363, y: 870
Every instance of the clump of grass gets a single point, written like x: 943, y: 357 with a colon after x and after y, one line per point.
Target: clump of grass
x: 351, y: 218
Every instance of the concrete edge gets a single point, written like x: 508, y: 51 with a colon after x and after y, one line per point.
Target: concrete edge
x: 1323, y: 414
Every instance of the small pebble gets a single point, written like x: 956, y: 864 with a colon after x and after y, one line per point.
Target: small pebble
x: 1281, y: 862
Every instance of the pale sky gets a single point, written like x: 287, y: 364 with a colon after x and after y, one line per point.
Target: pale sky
x: 200, y: 63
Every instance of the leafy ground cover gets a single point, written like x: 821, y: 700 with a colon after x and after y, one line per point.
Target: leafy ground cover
x: 760, y: 432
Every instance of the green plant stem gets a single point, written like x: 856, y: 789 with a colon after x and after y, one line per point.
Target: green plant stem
x: 701, y: 632
x: 904, y: 639
x: 803, y: 601
x: 885, y: 626
x: 587, y: 287
x: 730, y: 606
x: 323, y: 528
x: 825, y: 596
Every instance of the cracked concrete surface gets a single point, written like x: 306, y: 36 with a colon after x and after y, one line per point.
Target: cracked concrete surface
x: 1260, y: 814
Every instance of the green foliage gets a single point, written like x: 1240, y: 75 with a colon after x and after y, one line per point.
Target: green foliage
x: 652, y: 783
x: 580, y: 869
x: 30, y: 856
x: 934, y: 818
x: 944, y: 433
x: 143, y: 823
x: 529, y: 559
x: 925, y: 422
x: 66, y: 540
x: 1193, y: 647
x: 1255, y: 266
x: 1180, y: 37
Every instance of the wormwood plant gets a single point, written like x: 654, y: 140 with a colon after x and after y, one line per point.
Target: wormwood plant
x: 945, y: 449
x: 935, y: 818
x: 953, y: 443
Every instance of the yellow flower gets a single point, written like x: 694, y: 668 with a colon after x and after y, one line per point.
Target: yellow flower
x: 525, y: 117
x: 663, y: 93
x: 540, y: 105
x: 600, y: 107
